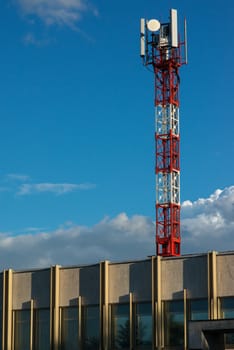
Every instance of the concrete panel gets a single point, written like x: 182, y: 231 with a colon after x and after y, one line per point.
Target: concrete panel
x: 41, y: 288
x: 22, y: 290
x: 31, y: 285
x: 140, y: 281
x: 181, y: 273
x: 119, y: 282
x: 172, y: 278
x: 196, y: 276
x: 69, y: 286
x: 225, y: 275
x: 125, y: 278
x: 90, y: 284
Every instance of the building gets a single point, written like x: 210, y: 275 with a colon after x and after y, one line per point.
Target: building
x: 182, y: 302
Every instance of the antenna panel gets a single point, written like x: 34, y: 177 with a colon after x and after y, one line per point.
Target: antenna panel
x: 142, y: 37
x: 174, y: 28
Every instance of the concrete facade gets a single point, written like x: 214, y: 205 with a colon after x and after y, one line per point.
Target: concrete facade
x: 156, y: 281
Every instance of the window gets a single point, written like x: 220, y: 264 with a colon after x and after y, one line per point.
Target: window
x: 42, y: 329
x: 143, y: 326
x: 227, y: 307
x: 90, y: 327
x: 22, y: 330
x: 120, y: 326
x: 198, y: 309
x: 174, y: 322
x: 0, y: 329
x: 69, y: 328
x: 229, y: 340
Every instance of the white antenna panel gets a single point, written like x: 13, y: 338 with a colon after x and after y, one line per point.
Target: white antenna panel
x: 142, y: 37
x: 142, y: 26
x: 174, y: 28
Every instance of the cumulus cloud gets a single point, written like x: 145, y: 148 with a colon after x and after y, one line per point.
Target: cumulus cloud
x: 60, y: 188
x: 207, y: 224
x: 60, y: 12
x: 119, y: 238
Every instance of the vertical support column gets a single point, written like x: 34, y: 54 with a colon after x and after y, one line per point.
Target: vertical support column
x: 31, y: 323
x: 212, y: 286
x: 7, y: 311
x: 208, y: 286
x: 154, y: 303
x: 3, y: 308
x: 104, y: 302
x: 54, y: 307
x: 160, y: 333
x: 185, y: 321
x: 131, y: 340
x: 80, y: 322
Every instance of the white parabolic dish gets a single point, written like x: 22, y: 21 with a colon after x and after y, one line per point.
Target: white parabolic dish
x: 153, y: 25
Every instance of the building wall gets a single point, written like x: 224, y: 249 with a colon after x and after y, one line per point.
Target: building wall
x: 225, y: 274
x: 184, y: 273
x: 156, y: 281
x: 32, y: 285
x: 126, y: 278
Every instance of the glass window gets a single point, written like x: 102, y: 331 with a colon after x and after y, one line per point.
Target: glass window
x: 22, y: 330
x: 69, y: 328
x: 0, y: 329
x: 229, y: 340
x: 90, y: 327
x: 174, y: 322
x: 143, y: 326
x: 120, y: 326
x: 42, y: 329
x: 227, y: 307
x: 199, y: 309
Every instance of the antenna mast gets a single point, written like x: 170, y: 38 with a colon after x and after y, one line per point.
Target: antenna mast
x: 161, y: 49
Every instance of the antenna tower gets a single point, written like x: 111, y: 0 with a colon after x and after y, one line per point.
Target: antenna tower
x: 161, y: 49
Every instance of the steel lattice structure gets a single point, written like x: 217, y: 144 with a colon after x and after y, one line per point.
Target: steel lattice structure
x: 163, y: 53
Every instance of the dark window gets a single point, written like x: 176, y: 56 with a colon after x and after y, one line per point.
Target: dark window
x: 42, y: 329
x: 22, y: 330
x: 69, y: 328
x: 229, y: 340
x: 174, y: 322
x: 143, y: 326
x: 198, y: 309
x: 0, y: 329
x: 227, y: 307
x: 120, y: 326
x: 90, y: 327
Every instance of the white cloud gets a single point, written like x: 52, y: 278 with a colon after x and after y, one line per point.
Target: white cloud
x: 207, y: 224
x: 60, y: 188
x: 18, y: 177
x: 31, y: 39
x: 112, y: 239
x: 60, y: 12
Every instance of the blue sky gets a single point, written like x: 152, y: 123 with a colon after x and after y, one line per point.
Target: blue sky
x: 77, y: 126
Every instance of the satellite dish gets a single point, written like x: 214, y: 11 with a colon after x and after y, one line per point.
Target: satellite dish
x: 153, y: 25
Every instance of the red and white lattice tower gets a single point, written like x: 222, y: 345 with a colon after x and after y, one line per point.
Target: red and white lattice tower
x: 161, y: 49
